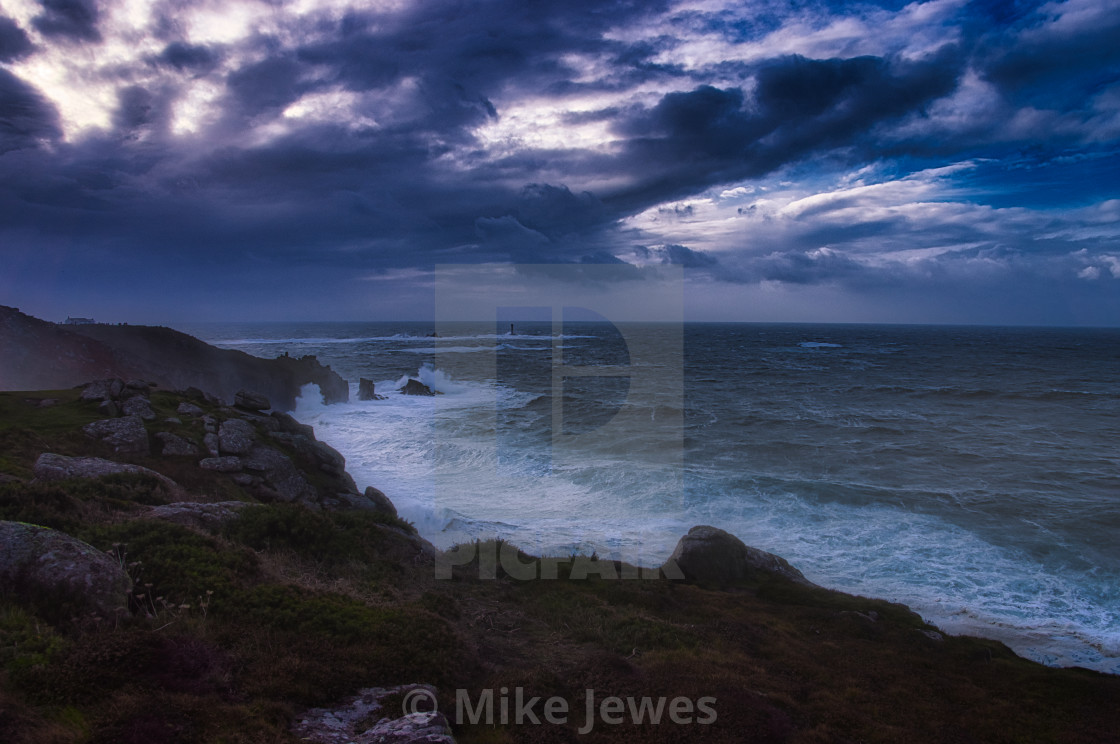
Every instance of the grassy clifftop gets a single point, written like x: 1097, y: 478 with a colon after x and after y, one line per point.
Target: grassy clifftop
x: 237, y: 624
x: 37, y: 353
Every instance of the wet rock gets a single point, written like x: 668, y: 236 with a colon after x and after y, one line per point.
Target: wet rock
x: 710, y: 555
x: 36, y: 562
x: 228, y: 464
x: 366, y: 390
x: 125, y: 435
x: 251, y: 401
x: 176, y: 446
x: 236, y: 436
x: 415, y: 387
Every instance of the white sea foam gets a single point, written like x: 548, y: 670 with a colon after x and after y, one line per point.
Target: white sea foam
x: 901, y: 483
x: 433, y: 457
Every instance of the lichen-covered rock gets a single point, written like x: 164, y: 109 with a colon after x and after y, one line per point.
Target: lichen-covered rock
x: 283, y: 479
x: 37, y: 562
x: 176, y: 446
x: 52, y: 467
x: 139, y: 406
x: 710, y: 555
x: 125, y: 435
x: 210, y: 517
x: 236, y: 437
x: 364, y: 719
x: 109, y: 389
x: 227, y: 464
x: 212, y: 444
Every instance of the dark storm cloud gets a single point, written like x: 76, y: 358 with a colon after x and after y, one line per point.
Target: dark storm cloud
x: 25, y: 116
x: 76, y: 19
x: 1056, y: 65
x: 14, y: 43
x: 403, y: 178
x: 710, y: 135
x: 183, y: 56
x: 811, y: 267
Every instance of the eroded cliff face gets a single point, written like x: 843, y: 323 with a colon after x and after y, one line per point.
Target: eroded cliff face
x: 37, y: 355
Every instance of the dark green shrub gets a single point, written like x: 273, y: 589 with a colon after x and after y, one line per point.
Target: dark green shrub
x: 178, y: 564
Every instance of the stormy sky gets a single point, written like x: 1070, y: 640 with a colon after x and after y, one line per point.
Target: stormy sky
x: 940, y: 161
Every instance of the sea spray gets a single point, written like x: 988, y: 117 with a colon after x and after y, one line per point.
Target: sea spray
x: 970, y: 473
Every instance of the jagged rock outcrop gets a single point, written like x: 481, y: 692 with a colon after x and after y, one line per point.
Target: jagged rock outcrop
x: 41, y: 355
x: 366, y: 390
x: 281, y: 479
x: 44, y: 564
x: 709, y: 555
x: 366, y: 719
x: 415, y: 387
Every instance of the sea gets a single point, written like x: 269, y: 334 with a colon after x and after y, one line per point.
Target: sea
x: 971, y: 473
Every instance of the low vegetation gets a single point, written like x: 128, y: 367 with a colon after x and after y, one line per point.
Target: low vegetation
x: 233, y: 631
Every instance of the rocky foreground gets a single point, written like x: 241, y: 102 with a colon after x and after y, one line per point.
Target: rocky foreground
x: 180, y: 568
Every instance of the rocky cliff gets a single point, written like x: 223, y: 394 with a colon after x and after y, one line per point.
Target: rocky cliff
x: 37, y: 355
